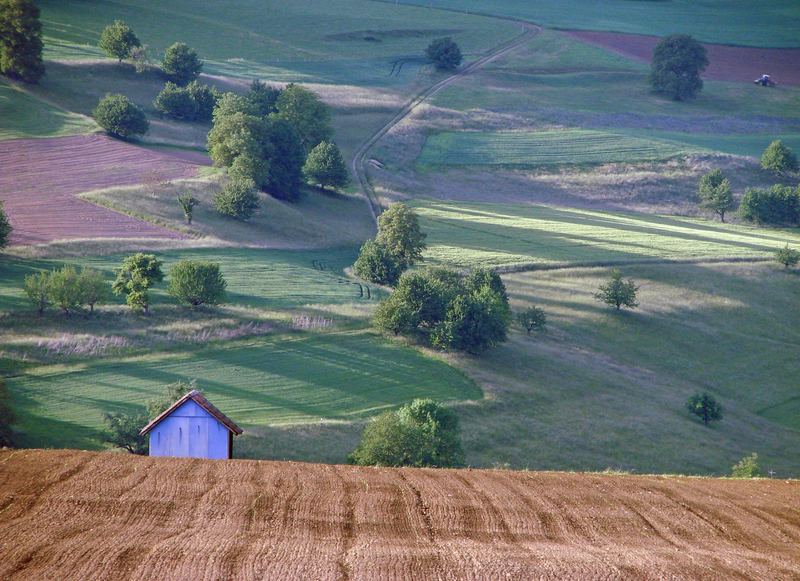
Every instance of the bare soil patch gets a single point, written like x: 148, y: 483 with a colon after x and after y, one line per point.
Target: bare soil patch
x: 81, y: 515
x: 726, y: 63
x: 41, y: 178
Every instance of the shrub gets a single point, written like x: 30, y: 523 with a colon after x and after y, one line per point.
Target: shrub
x: 249, y: 168
x: 175, y: 102
x: 5, y: 227
x: 7, y: 417
x: 473, y: 323
x: 677, y: 63
x: 21, y: 40
x: 181, y: 63
x: 135, y: 277
x: 140, y: 57
x: 309, y: 116
x: 376, y: 264
x: 94, y: 289
x: 778, y: 158
x: 715, y: 193
x: 197, y: 283
x: 65, y: 290
x: 400, y: 233
x: 120, y: 117
x: 617, y: 292
x: 777, y: 205
x: 188, y: 203
x: 37, y: 289
x: 747, y: 467
x: 118, y: 40
x: 444, y: 53
x: 788, y: 257
x: 532, y: 319
x: 122, y: 431
x: 325, y: 166
x: 205, y: 99
x: 238, y: 199
x: 704, y: 407
x: 422, y: 433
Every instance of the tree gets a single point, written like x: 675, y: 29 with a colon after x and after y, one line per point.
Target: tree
x: 421, y: 433
x: 399, y: 232
x: 197, y: 283
x: 7, y: 417
x: 122, y: 431
x: 263, y: 97
x: 715, y: 193
x: 5, y: 227
x: 205, y: 99
x: 788, y: 257
x: 705, y: 407
x: 325, y: 166
x: 474, y: 322
x: 21, y: 40
x: 172, y: 392
x: 64, y: 289
x: 188, y: 202
x: 617, y: 292
x: 376, y: 264
x: 532, y: 319
x: 444, y: 53
x: 238, y: 199
x: 137, y: 274
x: 37, y: 289
x: 181, y: 63
x: 747, y: 467
x: 118, y: 40
x: 286, y: 157
x: 677, y: 63
x: 94, y: 289
x: 176, y: 102
x: 778, y: 158
x: 140, y: 57
x: 238, y: 134
x: 309, y: 116
x: 120, y: 117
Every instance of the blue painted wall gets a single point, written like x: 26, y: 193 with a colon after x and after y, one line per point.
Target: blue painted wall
x: 190, y: 432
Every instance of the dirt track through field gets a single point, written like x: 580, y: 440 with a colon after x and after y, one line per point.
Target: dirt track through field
x: 82, y: 515
x: 41, y: 177
x: 726, y: 63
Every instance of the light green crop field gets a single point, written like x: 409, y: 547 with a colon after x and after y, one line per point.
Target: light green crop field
x: 272, y: 380
x: 484, y: 234
x: 350, y: 41
x: 747, y: 144
x: 738, y: 22
x: 543, y: 148
x: 22, y: 115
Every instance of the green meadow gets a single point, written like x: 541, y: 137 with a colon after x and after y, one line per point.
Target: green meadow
x: 26, y: 116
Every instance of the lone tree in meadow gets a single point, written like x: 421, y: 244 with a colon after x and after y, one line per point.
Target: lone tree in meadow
x: 325, y: 166
x: 715, y: 193
x: 617, y: 292
x: 21, y: 41
x: 188, y: 203
x: 704, y: 407
x: 532, y: 319
x: 181, y: 64
x: 238, y: 199
x: 444, y: 53
x: 5, y: 227
x: 677, y: 63
x: 788, y: 257
x: 376, y: 264
x: 197, y: 283
x: 120, y: 117
x: 778, y: 158
x: 118, y: 40
x: 137, y: 274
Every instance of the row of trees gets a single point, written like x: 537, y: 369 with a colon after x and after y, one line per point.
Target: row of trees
x: 21, y: 41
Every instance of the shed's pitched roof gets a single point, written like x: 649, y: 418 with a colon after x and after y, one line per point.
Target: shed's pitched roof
x: 200, y: 400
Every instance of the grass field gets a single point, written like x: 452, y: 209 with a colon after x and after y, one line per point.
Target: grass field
x: 748, y: 144
x: 543, y: 148
x: 717, y: 21
x: 471, y: 234
x: 26, y: 116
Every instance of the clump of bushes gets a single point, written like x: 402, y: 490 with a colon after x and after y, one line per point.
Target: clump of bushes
x: 67, y: 289
x: 194, y: 102
x: 747, y: 467
x: 787, y: 257
x: 444, y: 53
x: 120, y: 117
x: 238, y: 199
x: 197, y: 283
x: 778, y: 205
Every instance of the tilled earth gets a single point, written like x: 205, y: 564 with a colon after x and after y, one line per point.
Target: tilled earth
x: 81, y: 515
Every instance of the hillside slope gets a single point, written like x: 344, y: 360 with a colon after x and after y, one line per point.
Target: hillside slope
x: 81, y: 515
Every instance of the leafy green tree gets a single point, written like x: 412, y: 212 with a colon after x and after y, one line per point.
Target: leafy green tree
x: 704, y: 407
x: 197, y: 283
x: 778, y: 158
x: 400, y: 233
x: 250, y: 168
x: 263, y: 97
x: 325, y: 166
x: 118, y: 40
x: 7, y: 417
x: 37, y: 289
x: 205, y: 99
x: 176, y: 102
x: 21, y: 40
x: 396, y: 315
x: 309, y: 116
x: 94, y: 288
x: 788, y: 257
x: 715, y: 193
x: 238, y: 134
x: 120, y: 117
x: 65, y: 289
x: 137, y: 274
x: 181, y: 63
x: 422, y: 433
x: 188, y: 203
x: 376, y: 264
x: 140, y: 57
x: 238, y: 199
x: 747, y: 467
x: 122, y: 431
x: 678, y: 61
x: 230, y: 103
x: 532, y: 319
x: 617, y: 292
x: 777, y: 205
x: 5, y: 227
x: 444, y: 53
x: 172, y: 393
x: 474, y: 322
x: 286, y: 157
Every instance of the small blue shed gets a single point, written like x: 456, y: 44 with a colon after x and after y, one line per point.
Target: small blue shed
x: 192, y: 428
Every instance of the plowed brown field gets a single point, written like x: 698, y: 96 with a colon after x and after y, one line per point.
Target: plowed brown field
x: 726, y: 63
x: 40, y: 177
x: 82, y: 515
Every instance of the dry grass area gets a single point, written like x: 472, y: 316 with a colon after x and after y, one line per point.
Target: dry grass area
x: 70, y: 514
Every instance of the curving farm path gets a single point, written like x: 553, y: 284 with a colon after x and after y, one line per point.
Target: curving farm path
x: 360, y: 158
